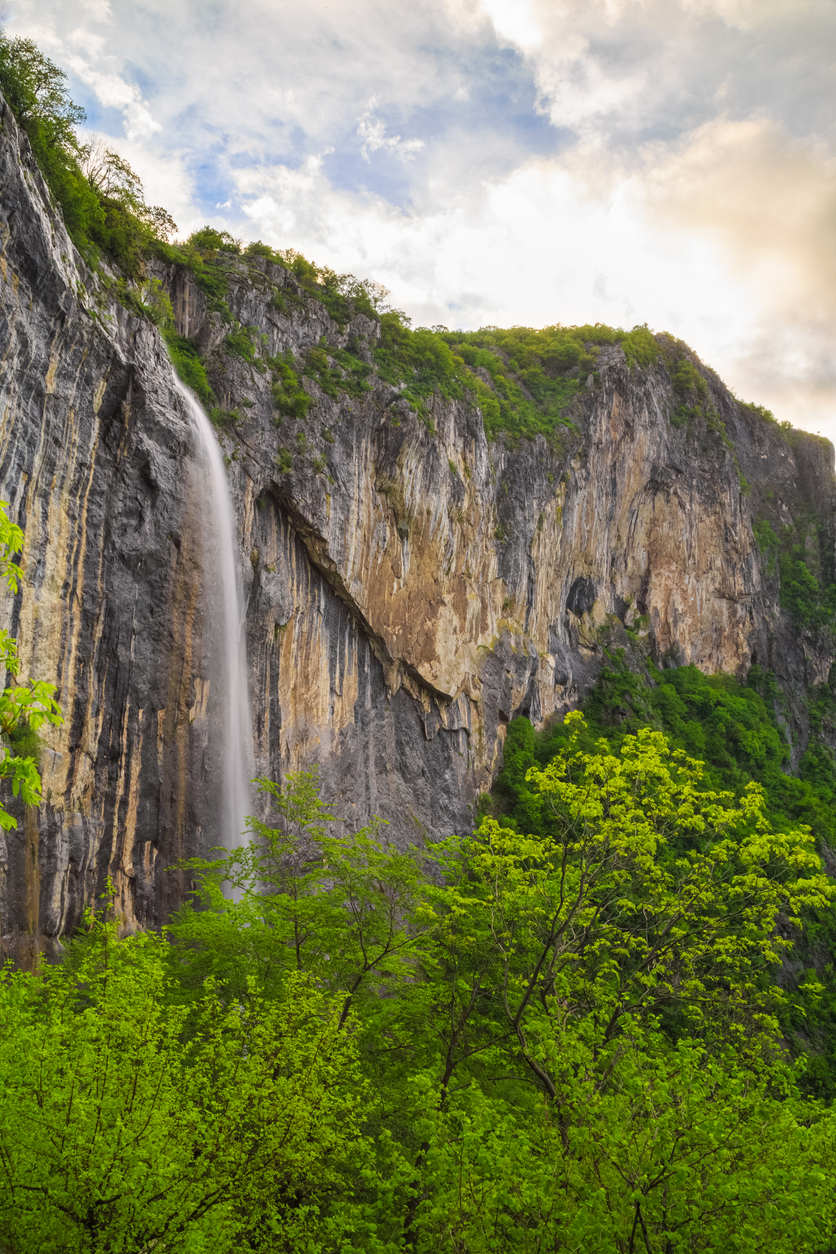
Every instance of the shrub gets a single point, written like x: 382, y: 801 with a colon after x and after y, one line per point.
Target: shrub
x: 185, y: 357
x: 289, y: 396
x: 208, y: 241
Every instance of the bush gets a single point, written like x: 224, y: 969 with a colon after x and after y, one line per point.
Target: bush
x: 185, y: 357
x: 289, y: 397
x: 535, y: 375
x: 209, y: 241
x: 184, y: 1124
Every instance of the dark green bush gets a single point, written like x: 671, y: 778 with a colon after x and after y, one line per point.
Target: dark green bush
x: 812, y: 606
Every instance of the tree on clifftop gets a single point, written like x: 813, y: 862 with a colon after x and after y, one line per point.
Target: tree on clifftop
x: 100, y: 196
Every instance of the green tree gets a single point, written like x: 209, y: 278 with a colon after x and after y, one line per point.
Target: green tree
x: 131, y: 1120
x: 557, y: 1041
x: 602, y: 998
x: 35, y: 88
x: 100, y: 196
x: 23, y: 707
x: 570, y: 1036
x: 336, y: 907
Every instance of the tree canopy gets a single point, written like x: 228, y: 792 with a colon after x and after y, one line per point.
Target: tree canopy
x: 556, y: 1040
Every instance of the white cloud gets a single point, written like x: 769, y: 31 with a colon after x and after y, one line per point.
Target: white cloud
x: 690, y: 182
x: 372, y: 131
x: 98, y: 9
x: 615, y: 69
x: 543, y: 245
x: 517, y: 21
x: 115, y: 93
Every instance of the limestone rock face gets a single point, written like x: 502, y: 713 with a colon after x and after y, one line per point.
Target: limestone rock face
x: 95, y: 460
x: 410, y: 588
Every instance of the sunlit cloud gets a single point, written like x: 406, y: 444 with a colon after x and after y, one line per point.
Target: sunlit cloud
x: 115, y: 93
x: 529, y: 161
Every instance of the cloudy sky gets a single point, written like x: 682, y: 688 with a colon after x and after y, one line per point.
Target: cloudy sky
x: 502, y: 161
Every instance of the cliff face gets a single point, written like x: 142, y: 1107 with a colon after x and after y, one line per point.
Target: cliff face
x: 95, y: 460
x: 409, y: 587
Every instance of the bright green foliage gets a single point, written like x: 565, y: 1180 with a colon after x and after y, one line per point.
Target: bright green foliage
x: 729, y: 725
x: 812, y: 606
x: 152, y: 301
x: 209, y: 242
x: 342, y: 294
x: 130, y: 225
x: 307, y: 900
x: 641, y: 347
x: 805, y: 567
x: 247, y: 343
x: 185, y: 357
x: 687, y: 379
x: 692, y: 393
x: 209, y: 255
x: 132, y: 1120
x: 760, y: 410
x: 556, y: 1040
x: 732, y: 726
x: 616, y: 957
x: 420, y: 363
x: 767, y: 542
x: 23, y: 707
x: 535, y: 375
x: 99, y: 194
x: 338, y: 370
x: 574, y: 1041
x: 35, y: 89
x: 645, y: 894
x: 289, y: 395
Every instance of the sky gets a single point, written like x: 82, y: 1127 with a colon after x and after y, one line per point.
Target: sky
x: 502, y: 162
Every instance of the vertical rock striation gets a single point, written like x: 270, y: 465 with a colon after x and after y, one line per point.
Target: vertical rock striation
x: 95, y: 460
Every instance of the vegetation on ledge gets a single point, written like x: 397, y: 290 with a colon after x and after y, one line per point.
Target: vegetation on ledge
x: 100, y: 196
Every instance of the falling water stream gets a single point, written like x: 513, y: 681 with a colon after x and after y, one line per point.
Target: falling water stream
x: 229, y: 660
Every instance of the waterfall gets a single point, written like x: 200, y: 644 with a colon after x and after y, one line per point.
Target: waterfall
x: 229, y: 658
